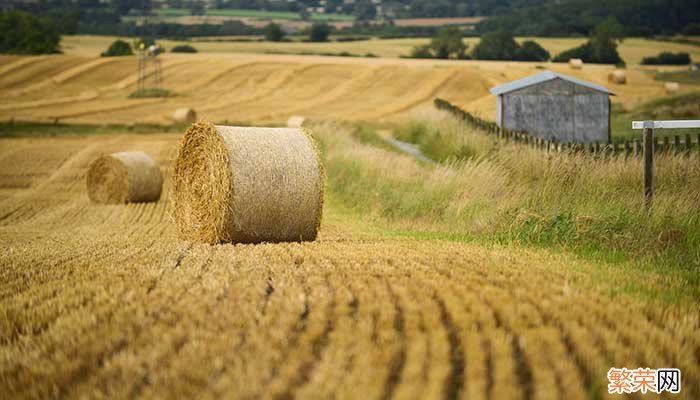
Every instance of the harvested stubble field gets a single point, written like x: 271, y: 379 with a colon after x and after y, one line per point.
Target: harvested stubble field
x: 267, y: 89
x: 105, y: 302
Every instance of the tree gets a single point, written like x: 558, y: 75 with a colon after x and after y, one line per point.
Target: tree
x: 183, y: 48
x: 197, y: 8
x: 23, y: 33
x: 365, y: 10
x: 666, y: 58
x: 497, y: 45
x: 448, y: 43
x: 600, y: 49
x: 423, y: 51
x: 319, y: 32
x: 304, y: 14
x: 118, y: 48
x: 274, y: 33
x: 532, y: 51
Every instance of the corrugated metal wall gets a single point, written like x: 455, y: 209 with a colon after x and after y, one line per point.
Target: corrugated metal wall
x: 558, y: 110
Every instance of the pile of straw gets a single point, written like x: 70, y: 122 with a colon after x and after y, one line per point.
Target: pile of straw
x: 247, y: 185
x: 576, y: 63
x: 617, y: 77
x: 128, y: 177
x: 672, y: 87
x: 296, y: 121
x: 185, y: 116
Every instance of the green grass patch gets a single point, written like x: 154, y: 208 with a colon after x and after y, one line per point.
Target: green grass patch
x: 683, y: 106
x: 151, y: 92
x: 39, y: 129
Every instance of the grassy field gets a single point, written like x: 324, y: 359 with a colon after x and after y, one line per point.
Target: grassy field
x: 408, y: 292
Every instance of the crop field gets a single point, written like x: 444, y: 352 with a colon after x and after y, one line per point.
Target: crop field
x: 104, y: 301
x: 267, y: 89
x: 632, y: 50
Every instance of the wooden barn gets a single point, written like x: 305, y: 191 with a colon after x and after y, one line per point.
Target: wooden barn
x: 555, y: 107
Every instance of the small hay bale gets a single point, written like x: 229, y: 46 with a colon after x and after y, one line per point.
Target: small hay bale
x: 185, y: 116
x: 617, y: 77
x: 296, y: 121
x: 576, y: 63
x: 128, y: 177
x: 247, y: 185
x: 672, y: 87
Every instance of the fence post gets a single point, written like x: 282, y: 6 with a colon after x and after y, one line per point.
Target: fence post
x: 688, y: 143
x: 649, y: 143
x: 676, y: 144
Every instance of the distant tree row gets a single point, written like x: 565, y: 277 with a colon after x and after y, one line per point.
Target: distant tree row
x: 500, y: 45
x: 24, y: 33
x: 578, y: 17
x: 666, y: 58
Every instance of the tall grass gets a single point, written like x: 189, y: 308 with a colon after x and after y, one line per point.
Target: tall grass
x: 514, y: 194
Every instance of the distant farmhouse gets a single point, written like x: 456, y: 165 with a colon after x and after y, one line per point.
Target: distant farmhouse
x: 555, y: 107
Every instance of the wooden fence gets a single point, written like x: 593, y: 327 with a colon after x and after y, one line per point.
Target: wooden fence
x: 630, y: 148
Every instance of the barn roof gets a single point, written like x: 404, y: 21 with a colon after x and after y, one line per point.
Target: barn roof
x: 544, y: 77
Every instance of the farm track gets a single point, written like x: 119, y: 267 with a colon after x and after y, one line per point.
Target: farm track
x: 104, y: 301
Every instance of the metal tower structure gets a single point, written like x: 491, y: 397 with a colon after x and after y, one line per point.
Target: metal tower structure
x: 150, y: 75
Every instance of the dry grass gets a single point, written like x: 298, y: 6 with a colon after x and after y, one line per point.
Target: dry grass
x: 104, y: 301
x: 247, y: 185
x: 125, y: 177
x: 268, y: 89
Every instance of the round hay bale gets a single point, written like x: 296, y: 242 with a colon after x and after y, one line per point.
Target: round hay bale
x: 296, y: 121
x: 576, y: 63
x: 247, y: 185
x: 185, y: 116
x: 672, y: 87
x: 617, y: 77
x: 128, y: 177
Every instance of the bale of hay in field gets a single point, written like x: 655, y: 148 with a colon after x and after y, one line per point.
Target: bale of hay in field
x: 247, y: 185
x: 185, y: 116
x: 617, y: 77
x: 296, y: 121
x: 128, y: 177
x: 672, y: 87
x: 576, y: 63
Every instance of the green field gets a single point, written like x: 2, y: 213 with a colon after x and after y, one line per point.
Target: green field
x: 181, y: 12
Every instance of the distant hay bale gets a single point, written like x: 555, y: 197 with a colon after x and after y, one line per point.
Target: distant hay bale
x: 185, y: 116
x: 672, y: 87
x: 576, y: 63
x: 296, y: 121
x: 128, y: 177
x: 247, y: 185
x: 617, y: 77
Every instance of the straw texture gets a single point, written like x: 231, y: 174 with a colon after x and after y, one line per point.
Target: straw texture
x: 576, y: 63
x: 128, y: 177
x: 247, y: 185
x: 296, y: 121
x: 185, y: 116
x: 617, y: 77
x: 672, y: 87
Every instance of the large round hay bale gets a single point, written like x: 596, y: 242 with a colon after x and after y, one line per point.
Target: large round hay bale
x: 672, y: 87
x: 128, y: 177
x: 617, y: 77
x: 247, y: 185
x: 296, y: 121
x: 576, y: 63
x: 185, y: 116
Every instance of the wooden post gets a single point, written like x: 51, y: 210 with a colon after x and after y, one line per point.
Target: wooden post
x: 636, y: 148
x: 667, y: 144
x: 676, y: 144
x: 649, y: 165
x: 627, y: 148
